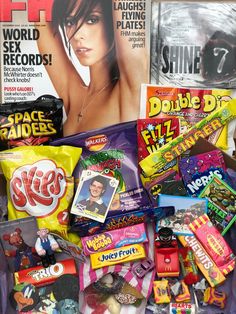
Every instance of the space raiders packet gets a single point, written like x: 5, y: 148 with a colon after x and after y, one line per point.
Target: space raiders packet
x: 32, y: 123
x: 112, y: 151
x: 40, y: 184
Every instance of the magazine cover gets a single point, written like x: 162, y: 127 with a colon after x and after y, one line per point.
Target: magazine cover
x: 193, y: 44
x: 77, y: 51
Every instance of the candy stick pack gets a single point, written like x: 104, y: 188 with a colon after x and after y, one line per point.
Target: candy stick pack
x: 204, y: 128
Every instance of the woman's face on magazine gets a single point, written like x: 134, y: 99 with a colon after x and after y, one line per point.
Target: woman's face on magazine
x: 88, y: 40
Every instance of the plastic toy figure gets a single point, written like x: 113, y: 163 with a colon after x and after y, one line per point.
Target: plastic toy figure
x: 45, y: 246
x: 23, y: 251
x: 166, y: 253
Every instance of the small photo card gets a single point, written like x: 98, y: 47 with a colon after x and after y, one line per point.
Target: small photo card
x: 18, y: 238
x: 94, y: 195
x: 187, y: 209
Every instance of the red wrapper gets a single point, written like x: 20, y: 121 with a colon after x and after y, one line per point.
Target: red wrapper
x: 40, y: 276
x: 214, y: 243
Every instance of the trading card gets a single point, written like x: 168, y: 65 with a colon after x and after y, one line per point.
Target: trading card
x: 94, y: 195
x: 187, y: 209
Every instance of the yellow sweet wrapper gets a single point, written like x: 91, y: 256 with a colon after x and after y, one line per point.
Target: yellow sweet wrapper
x: 204, y: 128
x: 40, y: 184
x: 118, y: 255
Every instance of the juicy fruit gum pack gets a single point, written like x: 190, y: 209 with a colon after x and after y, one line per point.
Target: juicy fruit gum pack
x: 40, y: 184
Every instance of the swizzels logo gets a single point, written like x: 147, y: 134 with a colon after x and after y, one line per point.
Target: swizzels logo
x: 38, y: 188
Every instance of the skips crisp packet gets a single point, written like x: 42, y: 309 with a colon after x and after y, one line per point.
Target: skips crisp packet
x: 204, y: 128
x: 40, y: 184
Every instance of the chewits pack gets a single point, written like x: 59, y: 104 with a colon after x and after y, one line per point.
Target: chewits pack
x: 112, y: 151
x: 40, y: 184
x: 199, y: 169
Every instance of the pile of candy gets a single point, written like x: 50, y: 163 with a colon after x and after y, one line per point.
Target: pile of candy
x: 92, y: 230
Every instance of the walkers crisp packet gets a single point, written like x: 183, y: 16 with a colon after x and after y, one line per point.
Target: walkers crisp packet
x: 112, y: 151
x: 40, y: 184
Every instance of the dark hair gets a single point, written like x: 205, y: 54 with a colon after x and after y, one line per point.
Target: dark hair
x: 101, y: 180
x: 62, y: 9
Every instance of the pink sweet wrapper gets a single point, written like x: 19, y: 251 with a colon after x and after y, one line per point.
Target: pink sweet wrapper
x: 87, y: 275
x: 114, y: 239
x: 214, y: 243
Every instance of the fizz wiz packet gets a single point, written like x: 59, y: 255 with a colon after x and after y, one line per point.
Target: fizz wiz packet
x: 153, y: 134
x: 183, y: 142
x: 40, y: 184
